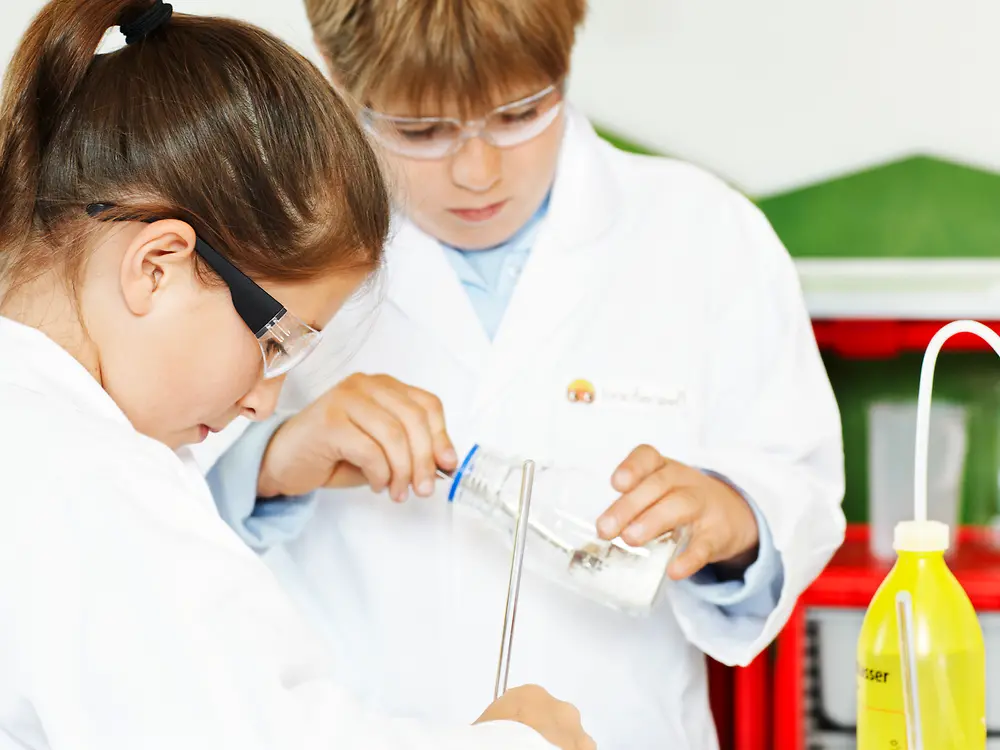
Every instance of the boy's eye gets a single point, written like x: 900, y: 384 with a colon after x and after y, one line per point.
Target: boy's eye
x: 523, y: 115
x: 418, y: 133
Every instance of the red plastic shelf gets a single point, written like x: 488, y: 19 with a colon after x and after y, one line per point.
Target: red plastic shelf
x: 852, y: 577
x: 740, y: 699
x: 879, y: 339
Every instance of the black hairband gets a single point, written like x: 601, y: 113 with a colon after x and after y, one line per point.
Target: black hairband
x: 147, y: 22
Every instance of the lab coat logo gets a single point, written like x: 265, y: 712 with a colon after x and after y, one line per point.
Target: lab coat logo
x: 642, y: 395
x: 581, y: 391
x: 584, y: 392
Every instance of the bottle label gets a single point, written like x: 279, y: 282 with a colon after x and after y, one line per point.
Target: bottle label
x: 952, y: 702
x: 881, y: 719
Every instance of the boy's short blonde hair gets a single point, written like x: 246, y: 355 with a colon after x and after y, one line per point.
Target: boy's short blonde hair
x: 474, y: 53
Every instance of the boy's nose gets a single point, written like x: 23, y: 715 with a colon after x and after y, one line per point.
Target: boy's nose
x: 476, y: 166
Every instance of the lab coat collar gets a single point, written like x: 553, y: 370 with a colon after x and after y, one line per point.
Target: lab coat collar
x: 584, y: 203
x: 426, y: 289
x: 35, y: 362
x: 585, y: 196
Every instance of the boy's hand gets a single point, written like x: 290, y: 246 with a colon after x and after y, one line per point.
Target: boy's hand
x: 659, y: 495
x: 368, y: 429
x: 558, y: 722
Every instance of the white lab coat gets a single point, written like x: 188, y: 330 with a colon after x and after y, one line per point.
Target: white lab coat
x: 670, y: 293
x: 131, y: 616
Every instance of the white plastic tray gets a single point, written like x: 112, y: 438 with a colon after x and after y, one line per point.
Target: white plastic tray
x: 896, y: 289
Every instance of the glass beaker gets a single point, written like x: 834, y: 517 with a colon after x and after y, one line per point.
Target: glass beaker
x: 564, y: 544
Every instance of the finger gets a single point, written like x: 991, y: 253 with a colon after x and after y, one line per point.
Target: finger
x: 361, y: 451
x: 390, y: 434
x: 444, y: 449
x: 626, y: 508
x: 639, y: 464
x: 697, y: 555
x: 415, y: 422
x: 672, y: 511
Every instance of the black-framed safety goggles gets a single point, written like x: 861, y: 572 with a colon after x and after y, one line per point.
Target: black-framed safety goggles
x: 284, y: 340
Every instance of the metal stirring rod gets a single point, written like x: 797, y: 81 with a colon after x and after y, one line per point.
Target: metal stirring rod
x: 514, y: 585
x: 532, y: 524
x: 521, y: 525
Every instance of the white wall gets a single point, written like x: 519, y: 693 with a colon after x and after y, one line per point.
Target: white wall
x: 768, y: 93
x: 776, y: 93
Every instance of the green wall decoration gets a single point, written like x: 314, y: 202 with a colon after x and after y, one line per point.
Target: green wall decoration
x: 623, y: 143
x: 917, y: 207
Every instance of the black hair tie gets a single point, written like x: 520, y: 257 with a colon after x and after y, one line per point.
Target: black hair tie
x: 146, y: 22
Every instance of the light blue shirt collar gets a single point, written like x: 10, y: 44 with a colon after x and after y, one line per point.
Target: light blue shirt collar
x: 481, y: 269
x: 490, y: 276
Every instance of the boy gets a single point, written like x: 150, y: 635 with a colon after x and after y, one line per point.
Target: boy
x: 529, y: 254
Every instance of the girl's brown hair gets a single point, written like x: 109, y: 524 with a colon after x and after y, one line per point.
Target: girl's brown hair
x: 208, y: 120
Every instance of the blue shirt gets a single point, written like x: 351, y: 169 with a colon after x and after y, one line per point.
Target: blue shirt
x: 489, y: 277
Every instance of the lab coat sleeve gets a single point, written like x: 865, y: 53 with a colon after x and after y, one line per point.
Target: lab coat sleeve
x: 261, y: 523
x: 756, y: 592
x: 147, y: 624
x: 771, y: 427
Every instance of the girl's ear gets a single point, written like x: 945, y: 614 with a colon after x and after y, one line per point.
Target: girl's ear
x: 157, y: 259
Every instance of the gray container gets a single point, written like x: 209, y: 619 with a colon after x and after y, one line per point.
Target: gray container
x: 892, y: 430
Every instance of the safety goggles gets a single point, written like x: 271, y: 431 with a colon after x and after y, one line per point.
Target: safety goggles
x: 439, y: 137
x: 284, y: 340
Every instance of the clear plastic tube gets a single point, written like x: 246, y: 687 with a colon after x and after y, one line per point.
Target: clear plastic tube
x: 924, y: 402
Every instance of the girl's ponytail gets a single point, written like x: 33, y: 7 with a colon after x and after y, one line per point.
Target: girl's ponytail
x: 45, y: 72
x: 208, y: 120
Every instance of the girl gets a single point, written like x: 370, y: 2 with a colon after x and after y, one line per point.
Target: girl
x: 180, y: 218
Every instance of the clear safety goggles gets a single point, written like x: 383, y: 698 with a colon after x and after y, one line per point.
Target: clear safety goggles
x: 284, y: 340
x: 439, y: 137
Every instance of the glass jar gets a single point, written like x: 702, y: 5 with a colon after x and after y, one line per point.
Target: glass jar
x: 564, y: 545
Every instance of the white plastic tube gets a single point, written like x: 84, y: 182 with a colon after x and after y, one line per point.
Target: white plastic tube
x: 924, y: 402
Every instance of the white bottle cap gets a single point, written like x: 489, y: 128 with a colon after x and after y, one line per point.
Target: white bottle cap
x: 920, y: 536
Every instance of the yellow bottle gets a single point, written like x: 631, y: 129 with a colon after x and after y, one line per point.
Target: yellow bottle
x: 920, y: 624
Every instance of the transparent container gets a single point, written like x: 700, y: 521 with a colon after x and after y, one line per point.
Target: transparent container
x: 892, y: 429
x: 563, y: 545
